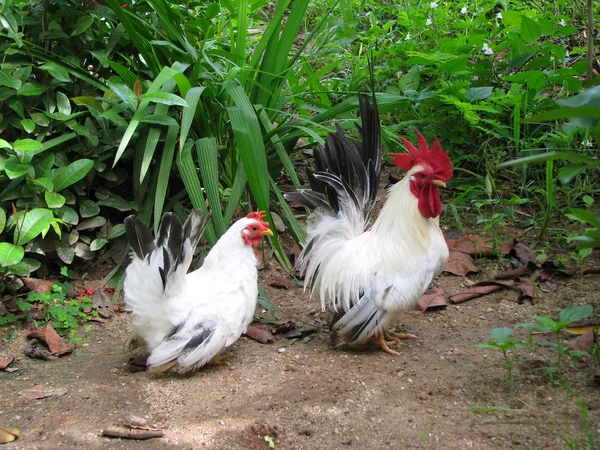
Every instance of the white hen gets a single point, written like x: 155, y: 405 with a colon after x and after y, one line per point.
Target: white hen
x: 183, y: 320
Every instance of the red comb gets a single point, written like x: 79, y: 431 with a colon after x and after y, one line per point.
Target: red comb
x: 433, y: 157
x: 259, y: 215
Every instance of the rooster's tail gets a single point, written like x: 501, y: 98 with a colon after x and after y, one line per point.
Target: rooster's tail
x: 159, y: 266
x: 361, y: 322
x: 347, y: 172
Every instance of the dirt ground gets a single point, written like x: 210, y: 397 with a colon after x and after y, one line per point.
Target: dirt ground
x: 305, y: 395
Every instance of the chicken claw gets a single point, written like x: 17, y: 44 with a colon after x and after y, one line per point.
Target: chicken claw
x: 379, y: 339
x: 395, y: 336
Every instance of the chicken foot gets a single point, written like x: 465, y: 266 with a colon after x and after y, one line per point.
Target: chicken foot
x: 379, y: 339
x: 395, y: 336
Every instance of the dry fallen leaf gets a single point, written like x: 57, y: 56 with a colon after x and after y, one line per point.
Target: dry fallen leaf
x: 480, y: 289
x: 433, y: 299
x: 5, y: 361
x: 460, y: 264
x: 584, y: 342
x: 37, y: 285
x: 40, y: 391
x: 519, y: 250
x: 259, y: 332
x: 102, y: 304
x: 8, y: 434
x: 34, y: 349
x: 527, y: 290
x: 278, y: 281
x: 513, y: 273
x: 581, y: 329
x: 471, y: 245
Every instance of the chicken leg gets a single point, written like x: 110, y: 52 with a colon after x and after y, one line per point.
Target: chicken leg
x: 379, y: 339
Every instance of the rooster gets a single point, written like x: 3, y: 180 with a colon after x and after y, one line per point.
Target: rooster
x: 367, y: 276
x: 183, y: 320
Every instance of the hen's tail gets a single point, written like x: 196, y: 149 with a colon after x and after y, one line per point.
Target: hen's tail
x: 190, y: 346
x: 159, y: 266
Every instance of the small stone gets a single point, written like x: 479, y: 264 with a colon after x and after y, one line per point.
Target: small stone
x: 281, y: 350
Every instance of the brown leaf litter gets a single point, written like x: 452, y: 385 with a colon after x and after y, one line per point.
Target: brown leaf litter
x: 50, y: 337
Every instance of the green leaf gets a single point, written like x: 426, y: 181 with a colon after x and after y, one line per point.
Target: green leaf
x: 502, y: 335
x: 160, y: 120
x: 164, y: 98
x: 31, y: 89
x: 63, y: 104
x: 164, y: 173
x: 191, y: 97
x: 67, y: 215
x: 575, y: 313
x: 543, y: 157
x: 57, y: 71
x: 2, y: 220
x: 10, y: 254
x: 530, y: 30
x: 94, y: 222
x: 6, y: 79
x: 478, y: 93
x: 27, y: 145
x: 116, y: 231
x: 24, y: 267
x: 66, y: 176
x: 89, y: 208
x: 44, y: 182
x: 14, y: 169
x: 65, y: 251
x: 28, y: 125
x: 54, y: 200
x: 187, y: 169
x: 586, y: 217
x: 83, y: 23
x: 88, y: 101
x: 118, y: 203
x: 208, y: 163
x: 32, y: 224
x: 5, y: 144
x: 98, y: 243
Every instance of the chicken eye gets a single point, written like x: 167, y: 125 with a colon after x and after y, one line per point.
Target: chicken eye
x: 255, y: 228
x: 422, y: 175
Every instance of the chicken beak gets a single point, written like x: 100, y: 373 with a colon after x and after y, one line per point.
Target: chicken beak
x: 267, y: 232
x: 439, y: 183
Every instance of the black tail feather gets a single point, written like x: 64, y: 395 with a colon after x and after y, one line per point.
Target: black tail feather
x: 171, y: 239
x: 139, y: 236
x: 355, y: 165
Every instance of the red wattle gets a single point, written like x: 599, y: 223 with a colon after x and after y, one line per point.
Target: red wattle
x: 430, y: 204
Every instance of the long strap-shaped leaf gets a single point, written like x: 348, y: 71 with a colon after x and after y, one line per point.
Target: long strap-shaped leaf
x: 279, y: 148
x: 208, y: 161
x: 249, y: 143
x: 187, y: 169
x: 164, y: 173
x: 238, y: 189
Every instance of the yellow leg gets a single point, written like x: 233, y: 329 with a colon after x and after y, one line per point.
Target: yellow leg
x: 379, y: 339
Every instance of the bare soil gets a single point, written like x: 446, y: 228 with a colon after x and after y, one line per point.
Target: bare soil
x: 304, y: 395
